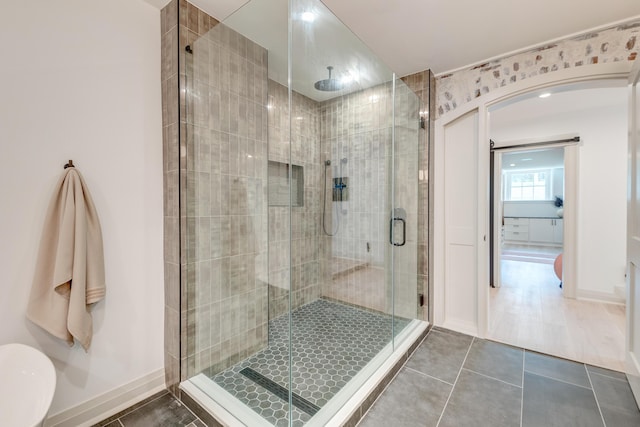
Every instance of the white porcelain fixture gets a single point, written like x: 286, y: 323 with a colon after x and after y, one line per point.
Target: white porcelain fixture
x: 27, y: 385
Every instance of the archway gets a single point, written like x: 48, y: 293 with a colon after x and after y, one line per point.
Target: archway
x: 461, y: 197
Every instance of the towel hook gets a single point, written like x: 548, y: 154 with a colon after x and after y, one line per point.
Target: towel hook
x: 69, y: 165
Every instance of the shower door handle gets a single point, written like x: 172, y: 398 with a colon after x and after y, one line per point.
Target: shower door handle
x: 398, y: 214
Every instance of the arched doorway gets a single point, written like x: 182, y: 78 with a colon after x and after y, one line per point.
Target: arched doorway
x: 461, y: 197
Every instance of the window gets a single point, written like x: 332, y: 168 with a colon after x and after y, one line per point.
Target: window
x: 528, y: 185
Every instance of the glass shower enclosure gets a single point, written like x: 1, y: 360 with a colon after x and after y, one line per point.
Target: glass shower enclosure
x: 301, y: 194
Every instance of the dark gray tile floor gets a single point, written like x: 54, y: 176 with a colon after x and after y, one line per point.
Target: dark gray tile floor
x: 456, y: 380
x: 453, y: 380
x: 161, y: 409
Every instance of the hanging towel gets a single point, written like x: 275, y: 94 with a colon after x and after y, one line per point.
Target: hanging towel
x: 69, y: 274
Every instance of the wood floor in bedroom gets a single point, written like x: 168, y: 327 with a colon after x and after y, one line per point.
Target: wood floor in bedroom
x: 529, y: 311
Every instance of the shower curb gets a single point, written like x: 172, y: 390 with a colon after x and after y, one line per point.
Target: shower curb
x: 357, y: 414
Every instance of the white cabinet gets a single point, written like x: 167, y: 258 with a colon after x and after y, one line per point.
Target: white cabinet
x: 541, y: 230
x: 558, y: 231
x: 544, y: 231
x: 516, y: 229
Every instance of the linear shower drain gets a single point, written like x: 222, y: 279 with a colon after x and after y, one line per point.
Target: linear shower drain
x: 282, y: 392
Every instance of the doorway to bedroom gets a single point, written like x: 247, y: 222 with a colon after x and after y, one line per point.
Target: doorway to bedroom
x: 528, y: 307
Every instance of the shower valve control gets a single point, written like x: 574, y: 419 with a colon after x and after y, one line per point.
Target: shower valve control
x: 340, y: 189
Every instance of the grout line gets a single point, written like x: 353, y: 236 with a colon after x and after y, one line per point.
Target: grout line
x: 120, y: 422
x: 455, y: 382
x: 188, y: 409
x: 427, y: 375
x: 491, y: 378
x: 524, y: 354
x: 560, y: 381
x: 362, y: 416
x: 595, y: 396
x: 134, y: 407
x: 609, y: 377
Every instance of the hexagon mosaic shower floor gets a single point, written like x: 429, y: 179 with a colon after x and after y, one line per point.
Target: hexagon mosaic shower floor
x: 331, y: 343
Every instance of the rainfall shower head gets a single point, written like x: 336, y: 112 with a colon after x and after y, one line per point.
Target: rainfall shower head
x: 330, y: 84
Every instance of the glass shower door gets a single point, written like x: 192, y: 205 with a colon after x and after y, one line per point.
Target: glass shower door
x: 301, y: 212
x: 364, y: 169
x: 404, y: 214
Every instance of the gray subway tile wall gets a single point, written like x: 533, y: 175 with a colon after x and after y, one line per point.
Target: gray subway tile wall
x: 226, y: 194
x: 301, y: 148
x: 170, y: 143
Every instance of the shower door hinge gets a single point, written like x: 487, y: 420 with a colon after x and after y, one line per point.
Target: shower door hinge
x: 421, y: 300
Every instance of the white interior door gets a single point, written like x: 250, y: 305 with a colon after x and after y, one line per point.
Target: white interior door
x: 457, y: 214
x: 633, y: 238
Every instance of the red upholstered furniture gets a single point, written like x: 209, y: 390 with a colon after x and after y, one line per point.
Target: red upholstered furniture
x: 557, y: 267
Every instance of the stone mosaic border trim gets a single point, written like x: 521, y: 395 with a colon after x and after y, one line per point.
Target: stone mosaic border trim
x: 615, y: 44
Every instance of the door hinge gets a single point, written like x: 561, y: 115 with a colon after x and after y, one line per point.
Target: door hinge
x: 421, y: 300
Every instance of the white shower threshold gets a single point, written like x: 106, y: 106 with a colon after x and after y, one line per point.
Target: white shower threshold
x: 231, y: 412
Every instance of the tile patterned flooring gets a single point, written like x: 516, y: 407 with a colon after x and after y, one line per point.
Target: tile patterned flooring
x: 161, y: 409
x: 457, y: 380
x: 331, y: 343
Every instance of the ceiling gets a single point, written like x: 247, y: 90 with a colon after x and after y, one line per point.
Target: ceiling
x: 407, y: 35
x: 534, y: 108
x: 515, y: 119
x: 323, y: 42
x: 535, y: 159
x: 414, y: 35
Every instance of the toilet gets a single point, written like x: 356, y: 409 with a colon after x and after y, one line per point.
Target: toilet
x: 27, y: 386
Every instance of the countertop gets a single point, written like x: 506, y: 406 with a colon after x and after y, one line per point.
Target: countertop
x: 535, y: 217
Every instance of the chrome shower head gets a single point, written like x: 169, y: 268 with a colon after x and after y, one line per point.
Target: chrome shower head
x: 328, y: 85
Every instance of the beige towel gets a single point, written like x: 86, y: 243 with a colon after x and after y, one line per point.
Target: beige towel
x: 69, y: 276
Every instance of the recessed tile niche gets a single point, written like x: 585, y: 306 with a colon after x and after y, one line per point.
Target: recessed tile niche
x: 279, y: 187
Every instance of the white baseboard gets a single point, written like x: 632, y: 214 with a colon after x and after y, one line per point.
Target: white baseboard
x: 621, y: 291
x: 110, y: 403
x: 612, y: 298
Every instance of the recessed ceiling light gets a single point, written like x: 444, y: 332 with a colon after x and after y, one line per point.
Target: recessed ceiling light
x: 308, y: 16
x: 544, y: 95
x: 512, y: 164
x: 526, y: 160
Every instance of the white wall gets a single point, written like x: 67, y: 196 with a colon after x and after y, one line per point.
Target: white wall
x: 602, y: 182
x: 81, y: 80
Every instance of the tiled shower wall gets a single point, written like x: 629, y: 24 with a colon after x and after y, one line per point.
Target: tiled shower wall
x: 407, y: 125
x: 226, y: 198
x: 423, y: 85
x: 224, y: 226
x: 620, y: 43
x: 305, y: 219
x: 171, y: 164
x: 358, y: 127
